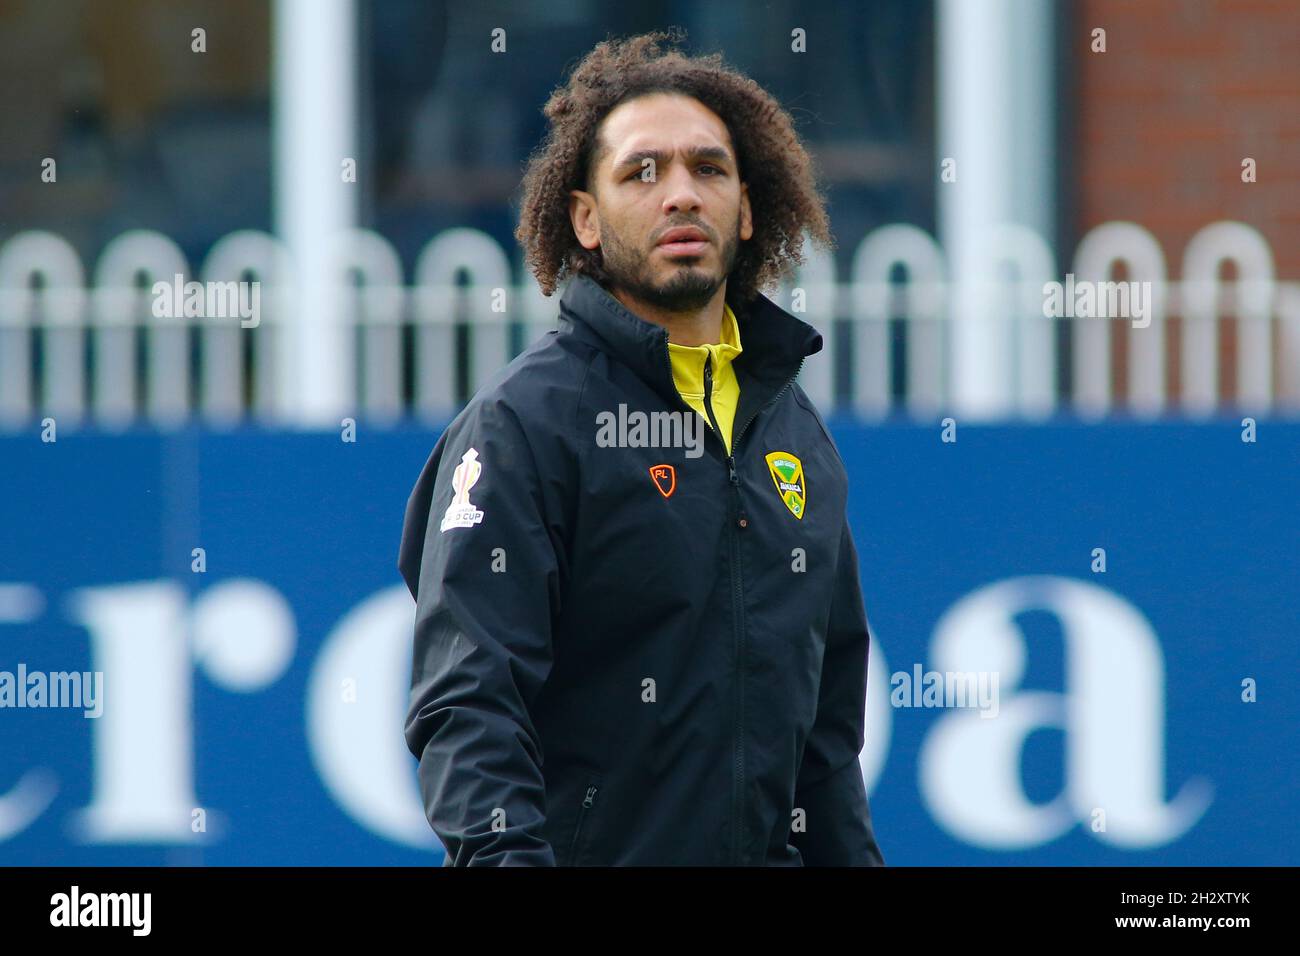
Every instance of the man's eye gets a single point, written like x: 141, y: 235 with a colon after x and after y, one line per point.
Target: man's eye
x: 641, y: 174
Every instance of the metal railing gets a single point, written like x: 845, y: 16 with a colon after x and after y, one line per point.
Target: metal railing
x: 104, y: 352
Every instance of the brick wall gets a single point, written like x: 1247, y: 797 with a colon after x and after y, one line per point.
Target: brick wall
x: 1185, y: 90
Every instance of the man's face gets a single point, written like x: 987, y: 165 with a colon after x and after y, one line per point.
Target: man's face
x: 667, y: 162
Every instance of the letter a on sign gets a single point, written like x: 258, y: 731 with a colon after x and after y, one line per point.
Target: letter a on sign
x: 665, y: 479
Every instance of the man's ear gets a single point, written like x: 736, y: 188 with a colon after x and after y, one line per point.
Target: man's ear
x: 746, y: 219
x: 585, y: 218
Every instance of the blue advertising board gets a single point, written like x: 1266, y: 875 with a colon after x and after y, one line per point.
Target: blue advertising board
x: 1084, y: 644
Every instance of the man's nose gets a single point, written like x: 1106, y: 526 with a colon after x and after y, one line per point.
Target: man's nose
x: 681, y: 193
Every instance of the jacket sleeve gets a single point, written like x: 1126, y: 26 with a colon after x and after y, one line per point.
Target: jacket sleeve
x: 829, y: 786
x: 485, y: 597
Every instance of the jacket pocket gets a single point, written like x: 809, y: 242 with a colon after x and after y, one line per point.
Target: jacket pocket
x: 584, y: 811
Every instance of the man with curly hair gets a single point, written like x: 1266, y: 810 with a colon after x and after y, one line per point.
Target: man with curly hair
x: 640, y: 637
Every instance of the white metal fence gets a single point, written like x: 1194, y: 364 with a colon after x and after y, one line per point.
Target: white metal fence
x: 92, y: 349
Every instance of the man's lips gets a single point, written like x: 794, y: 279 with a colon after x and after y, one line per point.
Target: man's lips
x: 684, y: 248
x: 684, y: 241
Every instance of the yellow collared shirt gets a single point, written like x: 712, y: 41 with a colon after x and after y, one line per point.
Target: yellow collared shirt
x: 688, y: 374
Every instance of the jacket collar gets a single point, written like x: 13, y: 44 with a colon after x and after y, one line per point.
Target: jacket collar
x: 775, y: 342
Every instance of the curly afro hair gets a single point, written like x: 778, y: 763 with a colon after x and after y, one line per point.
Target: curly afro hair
x: 773, y: 162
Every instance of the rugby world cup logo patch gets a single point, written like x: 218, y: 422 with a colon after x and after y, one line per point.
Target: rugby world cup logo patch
x: 787, y: 474
x: 462, y: 513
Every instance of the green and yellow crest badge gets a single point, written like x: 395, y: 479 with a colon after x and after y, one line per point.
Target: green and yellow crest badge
x: 787, y: 473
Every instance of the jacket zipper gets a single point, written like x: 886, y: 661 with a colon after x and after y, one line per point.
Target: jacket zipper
x: 737, y: 609
x: 737, y: 585
x: 587, y: 801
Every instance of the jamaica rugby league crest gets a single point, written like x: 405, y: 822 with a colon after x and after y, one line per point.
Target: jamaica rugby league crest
x: 787, y: 473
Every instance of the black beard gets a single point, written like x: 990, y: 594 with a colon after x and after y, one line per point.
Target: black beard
x: 688, y: 290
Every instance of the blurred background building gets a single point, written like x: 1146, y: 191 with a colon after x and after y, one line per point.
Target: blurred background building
x: 1051, y: 133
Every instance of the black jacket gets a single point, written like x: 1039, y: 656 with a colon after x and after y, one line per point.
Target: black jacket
x: 617, y: 662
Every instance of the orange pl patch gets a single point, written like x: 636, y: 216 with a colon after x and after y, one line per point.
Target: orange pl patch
x: 665, y: 479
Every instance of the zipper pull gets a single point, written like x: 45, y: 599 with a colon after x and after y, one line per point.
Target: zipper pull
x: 708, y: 376
x: 731, y: 470
x: 591, y: 793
